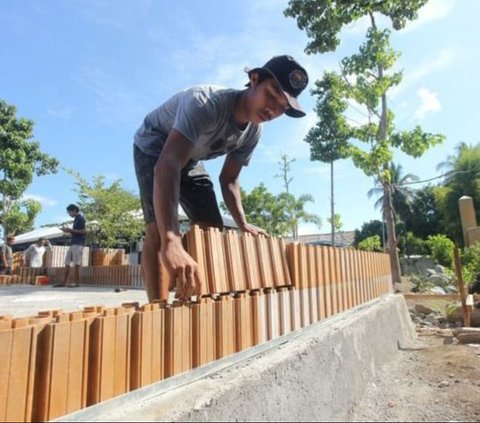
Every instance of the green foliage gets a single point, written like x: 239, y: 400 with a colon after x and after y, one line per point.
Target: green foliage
x: 441, y: 249
x: 414, y: 246
x: 372, y: 243
x: 368, y: 229
x: 421, y: 284
x: 337, y: 224
x: 463, y: 179
x: 21, y: 216
x: 112, y: 213
x: 424, y: 217
x: 470, y: 258
x: 20, y: 159
x: 275, y: 214
x: 323, y: 20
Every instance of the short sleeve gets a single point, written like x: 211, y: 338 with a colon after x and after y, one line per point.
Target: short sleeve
x: 195, y: 115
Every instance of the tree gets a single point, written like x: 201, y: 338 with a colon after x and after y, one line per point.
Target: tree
x: 294, y: 206
x: 424, y: 219
x: 112, y: 213
x: 337, y: 222
x: 369, y: 229
x: 364, y: 80
x: 328, y: 139
x: 462, y: 179
x: 20, y: 159
x: 271, y: 212
x: 402, y: 194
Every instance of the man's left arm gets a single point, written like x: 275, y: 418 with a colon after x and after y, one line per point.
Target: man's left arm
x: 230, y: 184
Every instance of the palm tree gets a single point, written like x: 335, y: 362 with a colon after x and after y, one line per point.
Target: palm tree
x: 402, y: 195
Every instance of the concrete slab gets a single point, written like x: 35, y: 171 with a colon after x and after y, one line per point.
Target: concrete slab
x: 316, y: 373
x: 28, y: 300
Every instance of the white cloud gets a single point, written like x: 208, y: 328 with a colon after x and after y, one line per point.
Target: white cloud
x: 44, y: 201
x: 429, y: 103
x: 432, y: 11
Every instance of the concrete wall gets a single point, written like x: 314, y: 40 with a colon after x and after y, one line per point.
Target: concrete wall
x: 316, y: 373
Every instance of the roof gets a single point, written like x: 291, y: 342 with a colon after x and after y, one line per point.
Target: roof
x: 33, y: 236
x: 342, y: 239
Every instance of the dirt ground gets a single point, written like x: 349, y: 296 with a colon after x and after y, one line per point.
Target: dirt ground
x: 437, y: 379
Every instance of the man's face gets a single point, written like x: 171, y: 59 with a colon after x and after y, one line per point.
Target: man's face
x: 71, y: 213
x: 266, y: 101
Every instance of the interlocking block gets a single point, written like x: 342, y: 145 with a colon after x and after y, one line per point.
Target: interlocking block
x: 215, y: 257
x: 178, y: 339
x: 243, y: 322
x: 18, y: 347
x: 259, y: 317
x: 195, y: 245
x: 273, y: 314
x: 284, y: 307
x: 224, y: 326
x: 252, y: 266
x: 62, y: 364
x: 235, y: 266
x: 147, y: 344
x: 203, y: 332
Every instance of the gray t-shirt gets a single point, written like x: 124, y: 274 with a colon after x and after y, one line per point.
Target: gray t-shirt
x: 204, y: 115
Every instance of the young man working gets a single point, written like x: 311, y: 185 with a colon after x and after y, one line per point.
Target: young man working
x: 201, y: 123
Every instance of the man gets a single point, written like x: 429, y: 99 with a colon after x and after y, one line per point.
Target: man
x: 201, y: 123
x: 74, y: 254
x: 34, y: 254
x: 6, y: 256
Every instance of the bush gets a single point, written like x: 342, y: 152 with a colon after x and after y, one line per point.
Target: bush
x: 372, y: 243
x: 414, y: 246
x: 471, y: 262
x: 441, y: 249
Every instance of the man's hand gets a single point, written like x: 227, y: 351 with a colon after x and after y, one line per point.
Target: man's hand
x: 65, y: 229
x: 254, y: 230
x: 183, y: 270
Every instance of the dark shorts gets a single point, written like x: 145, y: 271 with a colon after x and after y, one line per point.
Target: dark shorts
x: 197, y: 196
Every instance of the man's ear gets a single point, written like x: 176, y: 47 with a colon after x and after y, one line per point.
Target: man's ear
x: 254, y: 78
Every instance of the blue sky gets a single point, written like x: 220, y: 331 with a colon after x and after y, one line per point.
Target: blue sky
x: 87, y: 72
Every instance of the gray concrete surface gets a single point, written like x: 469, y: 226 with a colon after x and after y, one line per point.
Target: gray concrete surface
x: 317, y: 373
x: 28, y: 300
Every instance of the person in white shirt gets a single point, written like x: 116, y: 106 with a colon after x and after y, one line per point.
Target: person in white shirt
x: 34, y: 254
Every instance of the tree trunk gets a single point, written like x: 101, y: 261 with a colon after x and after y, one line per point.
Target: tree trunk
x: 391, y: 236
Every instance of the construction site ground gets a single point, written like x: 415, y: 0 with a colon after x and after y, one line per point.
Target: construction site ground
x: 438, y: 379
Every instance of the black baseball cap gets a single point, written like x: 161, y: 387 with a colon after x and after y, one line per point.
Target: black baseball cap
x: 291, y: 77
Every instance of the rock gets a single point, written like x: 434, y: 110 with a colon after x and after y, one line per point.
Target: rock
x: 419, y: 308
x: 439, y: 269
x: 437, y: 290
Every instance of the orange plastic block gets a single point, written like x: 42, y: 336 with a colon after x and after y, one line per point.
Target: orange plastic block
x: 16, y: 373
x: 295, y: 309
x: 273, y: 314
x: 203, y: 332
x: 178, y: 339
x: 252, y: 269
x: 284, y: 308
x: 243, y: 322
x: 264, y: 262
x: 147, y: 345
x: 62, y: 366
x: 195, y: 245
x: 234, y: 262
x: 224, y: 326
x: 278, y: 252
x: 215, y: 255
x: 259, y: 317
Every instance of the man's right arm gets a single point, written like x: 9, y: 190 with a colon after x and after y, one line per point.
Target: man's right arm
x: 166, y: 194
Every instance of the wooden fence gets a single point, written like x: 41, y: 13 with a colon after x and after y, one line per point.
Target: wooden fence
x: 256, y: 289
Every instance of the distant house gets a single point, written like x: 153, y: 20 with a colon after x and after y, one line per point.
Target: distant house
x: 342, y: 239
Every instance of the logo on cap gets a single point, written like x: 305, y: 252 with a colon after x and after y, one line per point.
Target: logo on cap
x: 297, y: 79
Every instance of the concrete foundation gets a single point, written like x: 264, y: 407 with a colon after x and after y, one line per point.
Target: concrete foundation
x: 316, y: 373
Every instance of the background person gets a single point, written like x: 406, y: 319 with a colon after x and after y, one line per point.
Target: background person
x: 74, y: 254
x: 6, y: 256
x: 34, y: 254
